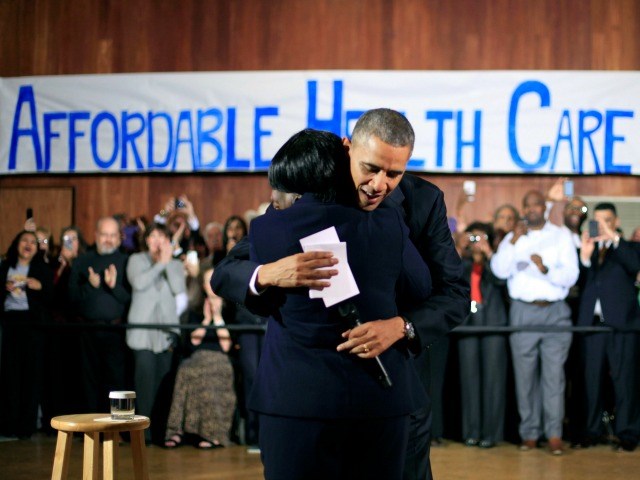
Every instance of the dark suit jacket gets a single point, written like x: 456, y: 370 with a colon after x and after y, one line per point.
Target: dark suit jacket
x: 422, y: 205
x: 300, y: 373
x: 613, y: 283
x: 491, y: 288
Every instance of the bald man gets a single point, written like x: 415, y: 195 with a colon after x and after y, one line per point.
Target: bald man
x: 540, y: 263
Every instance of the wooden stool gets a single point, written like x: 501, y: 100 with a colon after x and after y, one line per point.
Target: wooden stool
x: 87, y: 424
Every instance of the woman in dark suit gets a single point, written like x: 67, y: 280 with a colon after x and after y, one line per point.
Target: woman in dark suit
x: 324, y: 413
x: 25, y: 298
x: 483, y: 358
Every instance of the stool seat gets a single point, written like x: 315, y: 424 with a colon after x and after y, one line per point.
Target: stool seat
x: 90, y: 422
x: 92, y: 425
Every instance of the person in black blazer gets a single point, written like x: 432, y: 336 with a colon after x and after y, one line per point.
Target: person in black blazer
x: 377, y: 133
x: 324, y: 412
x: 609, y: 265
x: 25, y: 298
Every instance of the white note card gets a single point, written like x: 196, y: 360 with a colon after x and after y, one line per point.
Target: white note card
x: 343, y: 286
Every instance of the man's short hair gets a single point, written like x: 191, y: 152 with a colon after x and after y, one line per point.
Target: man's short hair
x: 388, y: 125
x: 311, y: 161
x: 606, y: 206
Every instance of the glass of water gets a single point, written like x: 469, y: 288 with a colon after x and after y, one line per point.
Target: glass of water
x: 122, y: 405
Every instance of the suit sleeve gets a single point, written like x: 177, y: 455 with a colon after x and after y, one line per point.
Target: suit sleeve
x: 414, y: 285
x: 448, y: 304
x: 231, y: 277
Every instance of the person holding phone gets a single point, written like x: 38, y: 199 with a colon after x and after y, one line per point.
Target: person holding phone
x: 62, y: 351
x: 609, y: 265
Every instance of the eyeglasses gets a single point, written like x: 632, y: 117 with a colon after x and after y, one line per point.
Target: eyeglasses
x: 43, y: 241
x: 477, y: 238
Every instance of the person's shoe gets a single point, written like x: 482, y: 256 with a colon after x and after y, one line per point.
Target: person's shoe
x: 555, y: 446
x: 471, y: 442
x: 625, y: 445
x: 437, y: 442
x: 487, y: 444
x: 529, y: 444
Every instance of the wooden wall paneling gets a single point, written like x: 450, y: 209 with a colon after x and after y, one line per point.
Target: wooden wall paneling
x: 84, y: 36
x: 47, y: 37
x: 52, y: 208
x: 216, y: 196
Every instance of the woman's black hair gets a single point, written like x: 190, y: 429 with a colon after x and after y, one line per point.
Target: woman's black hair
x: 232, y: 218
x: 312, y: 161
x: 11, y: 257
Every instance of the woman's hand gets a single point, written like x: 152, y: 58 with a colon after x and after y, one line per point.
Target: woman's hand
x: 34, y: 283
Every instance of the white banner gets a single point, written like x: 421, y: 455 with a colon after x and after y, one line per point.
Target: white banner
x: 558, y: 122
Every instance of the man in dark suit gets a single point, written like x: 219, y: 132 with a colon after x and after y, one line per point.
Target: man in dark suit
x: 422, y: 205
x: 609, y: 265
x: 324, y: 413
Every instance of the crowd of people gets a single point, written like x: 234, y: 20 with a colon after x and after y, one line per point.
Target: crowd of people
x: 64, y: 347
x: 545, y: 271
x: 533, y: 268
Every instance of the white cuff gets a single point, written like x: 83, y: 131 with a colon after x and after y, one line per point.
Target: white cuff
x: 252, y: 282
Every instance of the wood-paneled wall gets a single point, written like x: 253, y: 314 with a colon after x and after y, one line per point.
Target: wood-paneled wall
x: 49, y: 37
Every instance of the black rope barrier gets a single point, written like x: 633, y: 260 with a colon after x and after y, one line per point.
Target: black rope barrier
x: 460, y: 330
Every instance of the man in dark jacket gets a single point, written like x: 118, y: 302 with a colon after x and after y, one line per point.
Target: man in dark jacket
x: 98, y: 289
x: 379, y: 150
x: 609, y: 265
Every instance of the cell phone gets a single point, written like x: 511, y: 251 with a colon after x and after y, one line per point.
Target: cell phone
x: 179, y: 203
x: 469, y: 188
x: 568, y: 188
x: 67, y: 242
x: 593, y: 228
x: 192, y: 257
x: 29, y: 213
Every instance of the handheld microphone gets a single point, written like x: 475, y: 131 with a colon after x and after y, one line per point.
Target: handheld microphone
x: 349, y: 312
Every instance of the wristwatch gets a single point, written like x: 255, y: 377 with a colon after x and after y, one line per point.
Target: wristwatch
x: 409, y: 330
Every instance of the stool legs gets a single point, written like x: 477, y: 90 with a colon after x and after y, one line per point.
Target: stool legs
x: 140, y: 470
x: 61, y: 459
x: 91, y: 451
x: 110, y: 455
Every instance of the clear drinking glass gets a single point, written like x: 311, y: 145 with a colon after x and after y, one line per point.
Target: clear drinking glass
x: 122, y: 405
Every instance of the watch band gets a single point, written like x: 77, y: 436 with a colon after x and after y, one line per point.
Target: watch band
x: 409, y: 330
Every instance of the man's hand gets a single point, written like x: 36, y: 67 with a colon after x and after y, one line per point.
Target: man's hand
x: 556, y: 192
x: 299, y: 270
x: 94, y: 278
x: 372, y: 338
x: 587, y: 246
x: 110, y: 276
x: 606, y: 233
x: 537, y: 259
x: 519, y: 230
